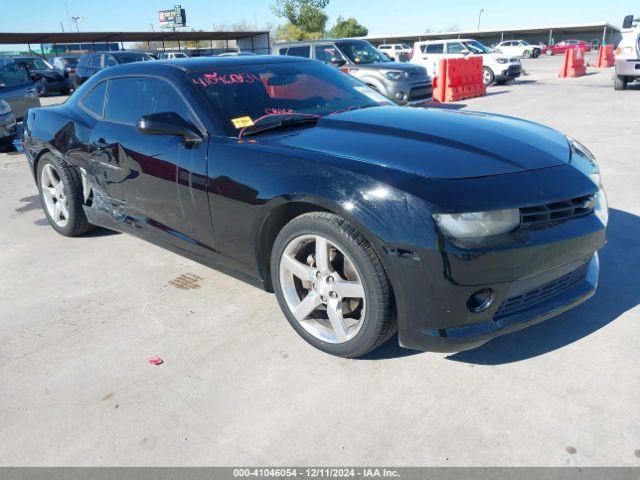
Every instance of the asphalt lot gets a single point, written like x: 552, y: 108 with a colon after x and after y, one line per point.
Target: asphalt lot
x: 79, y: 319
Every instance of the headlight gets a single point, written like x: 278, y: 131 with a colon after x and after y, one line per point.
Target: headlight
x: 478, y: 224
x: 502, y: 60
x: 4, y: 107
x: 394, y: 75
x: 602, y: 207
x: 583, y: 160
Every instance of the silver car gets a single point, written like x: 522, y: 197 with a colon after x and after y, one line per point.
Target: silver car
x: 403, y: 83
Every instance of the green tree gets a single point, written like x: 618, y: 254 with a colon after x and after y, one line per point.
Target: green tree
x: 307, y: 15
x: 348, y: 28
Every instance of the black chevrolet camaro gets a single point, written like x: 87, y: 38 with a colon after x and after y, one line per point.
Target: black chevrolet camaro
x: 450, y: 227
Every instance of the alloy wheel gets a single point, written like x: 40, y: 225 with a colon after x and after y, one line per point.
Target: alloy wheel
x: 322, y: 288
x: 55, y: 199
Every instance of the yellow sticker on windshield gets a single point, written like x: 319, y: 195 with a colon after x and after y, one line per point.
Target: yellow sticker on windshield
x: 242, y: 122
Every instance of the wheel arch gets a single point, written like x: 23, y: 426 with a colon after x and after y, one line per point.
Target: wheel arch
x: 283, y: 211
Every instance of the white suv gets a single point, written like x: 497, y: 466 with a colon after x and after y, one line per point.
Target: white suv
x: 396, y: 51
x: 518, y: 48
x: 627, y: 66
x: 496, y: 67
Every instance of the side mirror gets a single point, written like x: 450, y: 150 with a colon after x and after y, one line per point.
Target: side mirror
x: 627, y: 22
x: 338, y: 62
x: 168, y: 123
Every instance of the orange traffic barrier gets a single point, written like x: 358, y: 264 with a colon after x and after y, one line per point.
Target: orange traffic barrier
x: 459, y: 79
x: 606, y: 58
x: 573, y: 63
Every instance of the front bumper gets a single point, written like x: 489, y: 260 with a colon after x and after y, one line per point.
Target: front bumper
x: 410, y: 93
x: 8, y: 127
x: 628, y: 68
x: 509, y: 73
x: 542, y: 302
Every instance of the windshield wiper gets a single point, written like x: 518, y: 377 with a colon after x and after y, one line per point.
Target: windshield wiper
x: 283, y: 123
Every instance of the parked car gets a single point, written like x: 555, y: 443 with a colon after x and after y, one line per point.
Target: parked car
x: 89, y: 65
x: 171, y: 55
x: 518, y: 48
x: 8, y: 125
x: 46, y: 78
x: 17, y: 88
x: 66, y: 64
x: 400, y: 82
x: 396, y: 51
x: 627, y: 63
x: 451, y: 227
x: 561, y: 47
x: 497, y: 68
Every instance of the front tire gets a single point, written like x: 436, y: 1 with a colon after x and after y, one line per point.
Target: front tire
x: 331, y: 285
x: 61, y: 196
x: 619, y: 82
x: 487, y: 76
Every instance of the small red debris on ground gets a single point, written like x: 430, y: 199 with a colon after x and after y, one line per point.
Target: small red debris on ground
x: 156, y: 360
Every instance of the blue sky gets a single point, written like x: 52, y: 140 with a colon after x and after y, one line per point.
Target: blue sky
x: 382, y: 16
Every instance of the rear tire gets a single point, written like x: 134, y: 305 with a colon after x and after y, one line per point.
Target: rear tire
x: 548, y: 52
x: 619, y: 82
x: 60, y: 190
x: 527, y: 54
x: 366, y: 313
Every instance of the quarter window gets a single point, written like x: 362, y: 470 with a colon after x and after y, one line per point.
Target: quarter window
x: 133, y: 97
x: 434, y: 48
x: 94, y: 100
x: 303, y: 51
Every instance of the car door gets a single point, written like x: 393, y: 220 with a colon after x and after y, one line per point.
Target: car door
x: 506, y: 48
x: 17, y: 89
x: 157, y: 180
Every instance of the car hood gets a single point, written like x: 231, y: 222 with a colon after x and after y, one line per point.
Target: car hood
x: 431, y: 142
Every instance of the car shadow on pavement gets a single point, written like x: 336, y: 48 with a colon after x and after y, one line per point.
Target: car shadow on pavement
x: 617, y: 293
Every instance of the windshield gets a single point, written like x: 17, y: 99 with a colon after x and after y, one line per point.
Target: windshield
x: 35, y: 63
x: 132, y: 57
x: 362, y: 52
x: 247, y: 95
x: 476, y: 47
x: 71, y: 62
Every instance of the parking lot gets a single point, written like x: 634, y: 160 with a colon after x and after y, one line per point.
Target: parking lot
x: 80, y: 317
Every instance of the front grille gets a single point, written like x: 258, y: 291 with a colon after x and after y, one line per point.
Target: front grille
x: 421, y: 92
x: 540, y: 294
x: 557, y: 211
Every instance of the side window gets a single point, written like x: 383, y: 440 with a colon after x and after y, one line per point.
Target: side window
x: 109, y: 61
x: 13, y: 74
x: 325, y: 53
x: 303, y: 51
x: 131, y: 98
x: 94, y: 100
x: 95, y: 61
x: 283, y: 51
x: 398, y: 47
x: 455, y: 47
x: 435, y: 48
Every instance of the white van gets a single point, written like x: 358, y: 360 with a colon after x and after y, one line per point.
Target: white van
x: 496, y: 68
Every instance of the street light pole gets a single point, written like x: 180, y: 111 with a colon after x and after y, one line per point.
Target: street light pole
x: 479, y: 17
x: 76, y: 20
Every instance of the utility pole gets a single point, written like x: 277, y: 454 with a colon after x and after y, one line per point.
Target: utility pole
x: 479, y: 17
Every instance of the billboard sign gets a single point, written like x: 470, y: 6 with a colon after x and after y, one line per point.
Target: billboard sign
x: 173, y: 18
